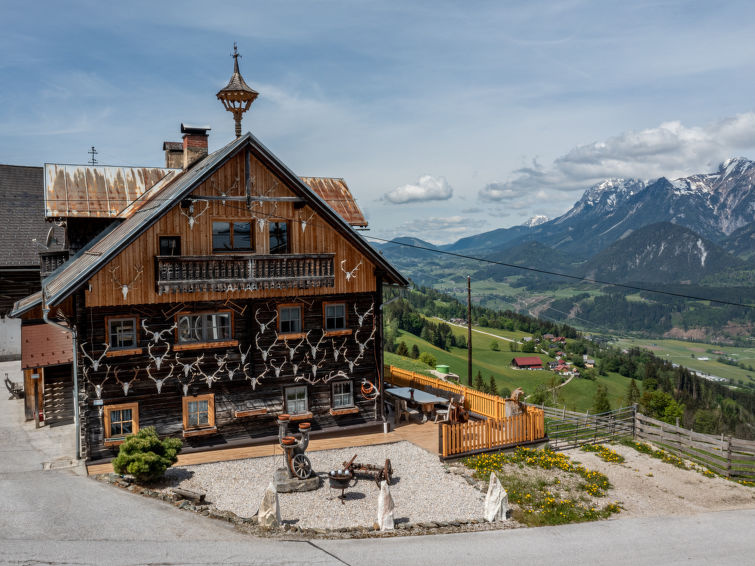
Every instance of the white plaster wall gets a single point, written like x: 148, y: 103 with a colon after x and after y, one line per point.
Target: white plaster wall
x: 10, y: 338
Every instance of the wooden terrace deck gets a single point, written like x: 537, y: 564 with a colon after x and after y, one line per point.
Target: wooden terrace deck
x: 423, y: 435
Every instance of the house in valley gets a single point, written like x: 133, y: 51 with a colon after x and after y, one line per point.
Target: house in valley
x: 208, y: 297
x: 528, y: 362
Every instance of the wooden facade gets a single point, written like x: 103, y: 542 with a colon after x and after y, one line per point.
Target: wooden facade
x: 212, y: 345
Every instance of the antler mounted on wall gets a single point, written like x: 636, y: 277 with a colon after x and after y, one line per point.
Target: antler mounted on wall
x: 350, y: 274
x: 193, y: 217
x: 97, y: 386
x: 263, y: 352
x: 255, y: 380
x: 157, y: 335
x: 95, y: 363
x: 159, y: 382
x: 126, y: 385
x: 361, y: 317
x: 125, y: 287
x: 227, y: 192
x: 263, y: 326
x: 303, y: 223
x: 157, y: 360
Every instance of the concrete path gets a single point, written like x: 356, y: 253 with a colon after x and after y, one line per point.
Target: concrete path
x: 59, y: 517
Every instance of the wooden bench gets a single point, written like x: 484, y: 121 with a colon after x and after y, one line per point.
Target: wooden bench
x: 16, y: 390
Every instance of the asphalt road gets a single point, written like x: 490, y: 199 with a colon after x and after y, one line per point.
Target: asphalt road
x: 60, y: 517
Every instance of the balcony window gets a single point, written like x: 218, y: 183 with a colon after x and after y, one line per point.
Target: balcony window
x: 170, y: 245
x: 335, y: 316
x: 207, y: 327
x: 279, y: 238
x: 290, y: 320
x: 232, y: 237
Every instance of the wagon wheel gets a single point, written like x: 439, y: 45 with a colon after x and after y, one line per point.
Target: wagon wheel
x: 301, y: 466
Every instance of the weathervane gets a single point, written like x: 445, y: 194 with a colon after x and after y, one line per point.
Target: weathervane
x: 92, y: 152
x: 237, y: 96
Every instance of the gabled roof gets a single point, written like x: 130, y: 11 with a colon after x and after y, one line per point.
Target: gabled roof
x: 528, y: 361
x: 91, y: 191
x: 168, y: 194
x: 338, y: 196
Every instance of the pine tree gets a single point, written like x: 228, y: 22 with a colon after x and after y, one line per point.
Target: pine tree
x: 492, y: 386
x: 601, y: 403
x: 414, y: 352
x: 633, y: 394
x: 402, y: 350
x: 479, y: 384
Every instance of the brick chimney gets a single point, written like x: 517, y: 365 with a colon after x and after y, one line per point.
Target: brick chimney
x: 194, y: 144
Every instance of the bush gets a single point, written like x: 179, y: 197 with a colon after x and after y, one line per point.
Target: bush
x: 428, y: 359
x: 145, y: 456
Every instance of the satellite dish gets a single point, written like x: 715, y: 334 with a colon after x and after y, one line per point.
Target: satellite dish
x: 49, y: 239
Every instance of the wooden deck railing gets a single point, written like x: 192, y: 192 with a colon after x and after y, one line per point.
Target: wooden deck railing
x: 243, y: 272
x: 491, y: 406
x: 474, y: 437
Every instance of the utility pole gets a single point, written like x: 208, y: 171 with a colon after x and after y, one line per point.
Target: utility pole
x: 469, y: 331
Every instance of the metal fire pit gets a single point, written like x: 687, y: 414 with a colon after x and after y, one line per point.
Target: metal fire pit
x: 340, y: 479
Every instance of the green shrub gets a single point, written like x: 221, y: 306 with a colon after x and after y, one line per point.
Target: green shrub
x: 145, y: 456
x: 427, y: 358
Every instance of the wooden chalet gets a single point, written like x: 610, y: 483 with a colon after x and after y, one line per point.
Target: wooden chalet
x: 212, y: 299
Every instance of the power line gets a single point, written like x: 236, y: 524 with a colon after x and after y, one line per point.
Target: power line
x: 574, y: 277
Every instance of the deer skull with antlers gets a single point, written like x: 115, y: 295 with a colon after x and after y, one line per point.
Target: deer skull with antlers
x: 353, y: 272
x: 95, y: 363
x: 263, y: 326
x: 126, y: 385
x: 193, y: 217
x: 157, y: 335
x: 361, y: 317
x: 157, y: 360
x: 265, y: 353
x: 159, y: 382
x: 125, y: 287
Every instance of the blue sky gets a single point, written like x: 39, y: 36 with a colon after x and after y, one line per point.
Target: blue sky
x: 445, y: 118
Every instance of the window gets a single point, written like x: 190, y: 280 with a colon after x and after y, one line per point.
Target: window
x: 290, y: 320
x: 296, y: 400
x: 335, y: 316
x: 122, y: 333
x: 120, y: 421
x: 279, y: 238
x: 208, y: 327
x: 199, y: 412
x: 170, y: 245
x: 342, y: 395
x: 232, y: 237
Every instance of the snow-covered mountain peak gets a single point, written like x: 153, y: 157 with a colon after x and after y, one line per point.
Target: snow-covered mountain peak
x: 536, y: 221
x: 734, y: 166
x: 608, y: 191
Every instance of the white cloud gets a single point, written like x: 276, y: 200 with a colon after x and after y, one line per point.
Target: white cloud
x: 670, y: 150
x: 425, y: 189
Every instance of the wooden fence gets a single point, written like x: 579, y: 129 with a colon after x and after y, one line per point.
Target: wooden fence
x: 568, y: 429
x: 490, y: 406
x: 730, y: 457
x: 474, y: 437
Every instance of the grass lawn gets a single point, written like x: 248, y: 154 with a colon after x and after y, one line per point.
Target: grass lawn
x: 686, y: 354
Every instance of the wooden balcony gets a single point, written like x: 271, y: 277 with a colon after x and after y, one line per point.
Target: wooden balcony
x: 243, y: 272
x: 50, y: 261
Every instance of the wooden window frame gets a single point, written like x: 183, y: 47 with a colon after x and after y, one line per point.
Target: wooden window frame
x: 297, y: 416
x: 122, y: 351
x: 107, y: 409
x: 289, y: 335
x: 233, y: 250
x: 333, y: 395
x: 336, y: 331
x: 180, y: 242
x: 289, y: 246
x: 226, y: 342
x: 198, y: 430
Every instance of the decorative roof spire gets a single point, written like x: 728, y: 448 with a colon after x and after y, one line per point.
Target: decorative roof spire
x: 237, y: 96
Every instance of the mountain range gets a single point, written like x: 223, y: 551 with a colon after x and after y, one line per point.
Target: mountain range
x: 693, y: 232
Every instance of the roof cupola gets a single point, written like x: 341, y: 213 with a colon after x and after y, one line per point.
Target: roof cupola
x: 237, y: 96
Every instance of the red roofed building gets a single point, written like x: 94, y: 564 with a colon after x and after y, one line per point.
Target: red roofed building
x: 527, y: 363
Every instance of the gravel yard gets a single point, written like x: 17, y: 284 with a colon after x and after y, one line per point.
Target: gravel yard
x: 422, y: 488
x: 648, y: 487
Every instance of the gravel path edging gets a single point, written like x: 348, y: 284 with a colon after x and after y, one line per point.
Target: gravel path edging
x: 249, y: 524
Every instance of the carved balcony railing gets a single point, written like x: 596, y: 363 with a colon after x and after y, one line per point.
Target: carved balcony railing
x: 50, y: 261
x: 243, y: 272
